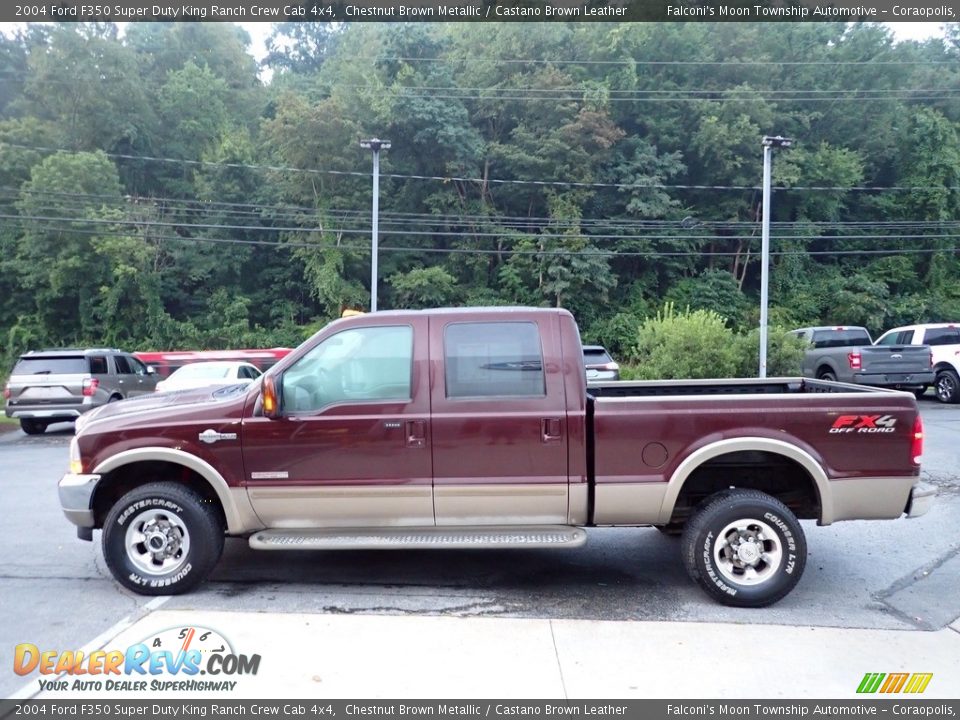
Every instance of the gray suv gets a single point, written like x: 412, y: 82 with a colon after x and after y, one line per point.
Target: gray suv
x: 57, y: 385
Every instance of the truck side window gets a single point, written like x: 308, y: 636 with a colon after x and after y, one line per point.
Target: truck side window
x: 98, y: 365
x: 493, y: 360
x: 357, y: 365
x: 941, y: 336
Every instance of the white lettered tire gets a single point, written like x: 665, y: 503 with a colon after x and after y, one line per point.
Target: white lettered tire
x: 744, y: 548
x: 162, y: 539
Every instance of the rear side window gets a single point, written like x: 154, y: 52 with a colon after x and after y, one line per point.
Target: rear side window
x: 51, y: 366
x: 493, y: 360
x: 840, y: 338
x: 98, y: 365
x: 941, y: 336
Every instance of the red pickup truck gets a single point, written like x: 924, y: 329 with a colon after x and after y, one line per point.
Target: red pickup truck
x: 476, y: 428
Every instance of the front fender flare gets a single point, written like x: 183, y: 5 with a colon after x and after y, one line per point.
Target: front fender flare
x: 236, y: 506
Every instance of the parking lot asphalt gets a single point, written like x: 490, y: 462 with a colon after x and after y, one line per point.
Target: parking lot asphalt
x: 897, y: 578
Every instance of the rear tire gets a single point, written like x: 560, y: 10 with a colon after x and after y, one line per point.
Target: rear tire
x: 947, y: 386
x: 918, y: 393
x: 744, y: 548
x: 162, y: 539
x: 827, y: 375
x: 33, y: 427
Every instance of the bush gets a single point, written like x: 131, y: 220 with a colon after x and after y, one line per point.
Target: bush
x: 697, y: 344
x: 784, y: 353
x: 691, y: 344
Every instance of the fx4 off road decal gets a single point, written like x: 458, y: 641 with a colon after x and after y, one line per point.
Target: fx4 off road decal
x: 864, y: 424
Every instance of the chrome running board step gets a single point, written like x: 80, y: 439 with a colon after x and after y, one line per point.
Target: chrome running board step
x: 538, y: 536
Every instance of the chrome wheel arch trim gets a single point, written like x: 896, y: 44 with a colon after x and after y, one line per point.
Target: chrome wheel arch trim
x: 236, y: 507
x: 740, y: 444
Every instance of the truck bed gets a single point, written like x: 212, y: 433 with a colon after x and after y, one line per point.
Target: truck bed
x: 812, y: 439
x: 733, y: 386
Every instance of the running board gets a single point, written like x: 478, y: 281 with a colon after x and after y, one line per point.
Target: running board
x: 539, y: 536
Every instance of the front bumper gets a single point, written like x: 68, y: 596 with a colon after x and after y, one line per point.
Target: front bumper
x: 921, y: 499
x: 76, y: 498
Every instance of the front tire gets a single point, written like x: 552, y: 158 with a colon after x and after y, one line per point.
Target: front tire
x: 947, y: 386
x: 745, y: 548
x: 162, y: 539
x: 33, y: 427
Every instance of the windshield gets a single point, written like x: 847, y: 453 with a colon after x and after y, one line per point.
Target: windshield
x: 202, y: 371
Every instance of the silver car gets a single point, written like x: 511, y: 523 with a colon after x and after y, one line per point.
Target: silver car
x: 599, y: 364
x: 57, y: 385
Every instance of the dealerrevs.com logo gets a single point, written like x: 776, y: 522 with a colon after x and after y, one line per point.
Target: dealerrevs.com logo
x: 864, y: 424
x: 177, y: 659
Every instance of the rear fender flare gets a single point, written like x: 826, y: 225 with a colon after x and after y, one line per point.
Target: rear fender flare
x: 723, y: 447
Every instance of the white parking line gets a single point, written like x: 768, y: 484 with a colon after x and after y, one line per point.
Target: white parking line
x: 33, y: 687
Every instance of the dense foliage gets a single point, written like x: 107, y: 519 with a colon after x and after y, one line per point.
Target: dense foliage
x: 157, y: 191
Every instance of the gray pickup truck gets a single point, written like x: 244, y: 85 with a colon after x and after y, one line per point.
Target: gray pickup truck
x: 847, y: 354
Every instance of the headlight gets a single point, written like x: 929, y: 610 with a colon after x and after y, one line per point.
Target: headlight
x: 76, y: 464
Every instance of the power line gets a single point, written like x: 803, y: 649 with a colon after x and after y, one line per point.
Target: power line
x: 434, y: 233
x: 490, y: 181
x: 508, y: 252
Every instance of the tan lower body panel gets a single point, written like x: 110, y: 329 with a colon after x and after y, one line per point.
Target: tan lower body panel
x: 241, y: 517
x: 579, y: 499
x: 330, y: 507
x: 628, y: 503
x: 490, y: 504
x: 869, y: 498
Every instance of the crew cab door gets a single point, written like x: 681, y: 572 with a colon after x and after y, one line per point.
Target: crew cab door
x: 351, y: 447
x: 499, y: 420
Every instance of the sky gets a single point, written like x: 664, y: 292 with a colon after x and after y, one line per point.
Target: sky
x: 259, y: 31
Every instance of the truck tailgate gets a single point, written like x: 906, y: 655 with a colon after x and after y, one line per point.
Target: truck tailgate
x: 895, y: 358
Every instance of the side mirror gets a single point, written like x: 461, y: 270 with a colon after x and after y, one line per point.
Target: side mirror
x: 269, y: 399
x: 151, y: 370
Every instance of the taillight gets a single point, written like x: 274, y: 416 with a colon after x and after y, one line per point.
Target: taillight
x: 856, y: 362
x: 916, y: 445
x: 90, y: 386
x: 931, y: 358
x: 6, y: 391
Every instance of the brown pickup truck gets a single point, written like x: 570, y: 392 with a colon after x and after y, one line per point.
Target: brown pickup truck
x: 476, y: 428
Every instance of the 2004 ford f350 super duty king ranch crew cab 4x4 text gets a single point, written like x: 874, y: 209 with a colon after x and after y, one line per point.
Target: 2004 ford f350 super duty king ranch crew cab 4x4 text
x: 476, y: 428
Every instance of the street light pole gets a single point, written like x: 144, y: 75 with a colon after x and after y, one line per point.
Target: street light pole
x: 769, y: 143
x: 376, y: 145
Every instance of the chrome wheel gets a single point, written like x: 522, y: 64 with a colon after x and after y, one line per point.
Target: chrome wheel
x: 748, y: 552
x: 157, y: 542
x: 946, y: 387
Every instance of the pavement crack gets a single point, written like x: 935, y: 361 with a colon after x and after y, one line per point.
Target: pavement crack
x: 919, y: 575
x: 556, y: 654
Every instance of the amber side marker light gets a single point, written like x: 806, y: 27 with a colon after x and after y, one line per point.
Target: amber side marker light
x: 269, y: 397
